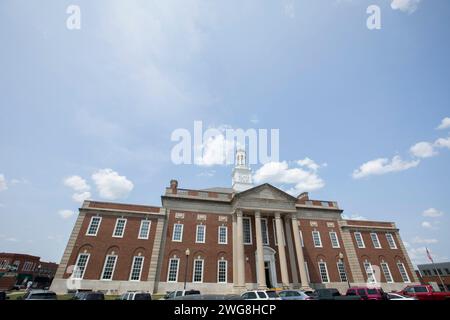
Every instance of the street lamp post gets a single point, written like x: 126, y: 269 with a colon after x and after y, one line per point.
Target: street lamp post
x: 187, y: 252
x: 341, y: 260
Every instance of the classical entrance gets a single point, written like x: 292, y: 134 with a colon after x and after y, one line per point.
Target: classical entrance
x: 270, y: 274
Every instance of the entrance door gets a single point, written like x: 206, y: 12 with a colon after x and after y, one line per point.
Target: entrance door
x: 267, y: 273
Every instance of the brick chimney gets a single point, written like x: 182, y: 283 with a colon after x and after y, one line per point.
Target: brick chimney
x: 174, y: 185
x: 303, y: 196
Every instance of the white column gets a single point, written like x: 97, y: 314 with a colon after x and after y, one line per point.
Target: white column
x: 235, y: 259
x: 240, y: 250
x: 259, y: 252
x: 299, y: 251
x: 281, y: 251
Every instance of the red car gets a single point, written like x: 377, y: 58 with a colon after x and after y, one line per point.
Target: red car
x: 367, y: 293
x: 424, y: 292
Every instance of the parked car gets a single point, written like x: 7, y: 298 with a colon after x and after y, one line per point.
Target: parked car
x: 260, y: 295
x: 40, y: 295
x: 179, y: 293
x: 135, y: 295
x: 294, y: 295
x: 3, y: 295
x: 89, y: 295
x: 424, y: 292
x: 396, y: 296
x: 209, y: 297
x: 333, y: 294
x: 367, y: 293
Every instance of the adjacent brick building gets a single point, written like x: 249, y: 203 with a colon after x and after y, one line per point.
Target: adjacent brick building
x: 437, y: 275
x: 226, y: 240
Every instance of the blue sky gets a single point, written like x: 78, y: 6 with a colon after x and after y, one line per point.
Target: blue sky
x: 100, y: 104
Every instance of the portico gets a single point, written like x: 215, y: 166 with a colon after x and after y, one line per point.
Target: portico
x: 257, y: 204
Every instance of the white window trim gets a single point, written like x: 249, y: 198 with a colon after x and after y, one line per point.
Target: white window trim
x: 193, y: 270
x: 390, y: 235
x: 388, y: 270
x: 314, y: 241
x: 140, y: 271
x: 85, y: 265
x: 226, y: 271
x: 250, y: 230
x: 204, y: 233
x: 90, y: 224
x: 168, y: 270
x: 344, y: 271
x: 226, y: 234
x: 337, y: 240
x: 326, y: 270
x: 372, y: 272
x: 113, y: 269
x: 406, y: 272
x: 363, y: 245
x: 148, y: 231
x: 123, y: 230
x: 301, y: 238
x: 373, y: 242
x: 181, y: 233
x: 267, y: 231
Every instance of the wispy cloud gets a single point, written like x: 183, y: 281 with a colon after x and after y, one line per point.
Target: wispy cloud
x: 432, y: 213
x: 408, y: 6
x: 383, y: 166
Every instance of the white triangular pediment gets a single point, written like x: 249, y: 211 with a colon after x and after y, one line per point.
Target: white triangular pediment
x: 266, y: 192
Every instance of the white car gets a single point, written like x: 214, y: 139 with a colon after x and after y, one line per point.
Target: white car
x: 293, y: 295
x: 179, y: 293
x: 396, y: 296
x: 136, y: 295
x: 260, y: 295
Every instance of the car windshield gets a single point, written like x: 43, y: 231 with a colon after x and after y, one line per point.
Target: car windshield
x: 43, y: 295
x: 420, y: 289
x: 272, y: 294
x: 191, y: 292
x: 372, y: 291
x: 142, y: 296
x: 94, y: 296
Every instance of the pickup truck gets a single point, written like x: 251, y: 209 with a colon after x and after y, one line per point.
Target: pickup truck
x: 424, y: 292
x: 332, y: 294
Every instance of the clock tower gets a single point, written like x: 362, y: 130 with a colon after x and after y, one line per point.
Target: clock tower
x: 242, y: 174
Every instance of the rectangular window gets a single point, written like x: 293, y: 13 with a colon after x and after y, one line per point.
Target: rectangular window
x: 359, y: 240
x: 172, y: 273
x: 198, y: 270
x: 177, y: 235
x: 386, y: 272
x: 316, y: 239
x: 370, y: 273
x: 403, y: 273
x: 341, y: 270
x: 144, y: 230
x: 391, y: 241
x: 80, y: 266
x: 136, y: 269
x: 323, y: 272
x: 247, y: 230
x: 265, y: 232
x: 222, y: 271
x: 375, y: 241
x: 94, y: 225
x: 223, y: 235
x: 200, y: 234
x: 334, y: 240
x: 108, y: 268
x: 120, y: 228
x: 301, y: 238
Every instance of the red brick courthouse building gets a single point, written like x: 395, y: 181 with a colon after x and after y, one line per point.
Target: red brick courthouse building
x: 224, y: 240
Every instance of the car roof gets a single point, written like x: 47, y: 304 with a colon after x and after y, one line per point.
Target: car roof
x: 37, y: 291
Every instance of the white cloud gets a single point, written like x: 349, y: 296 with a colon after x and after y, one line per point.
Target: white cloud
x: 419, y: 255
x: 443, y: 143
x: 77, y: 183
x: 353, y: 217
x: 420, y: 240
x: 216, y: 151
x: 423, y: 150
x: 111, y: 185
x: 280, y: 173
x: 81, y: 196
x: 310, y: 164
x: 3, y: 185
x: 445, y: 124
x: 426, y: 225
x: 408, y: 6
x: 66, y: 214
x: 432, y: 213
x: 12, y: 239
x: 382, y: 166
